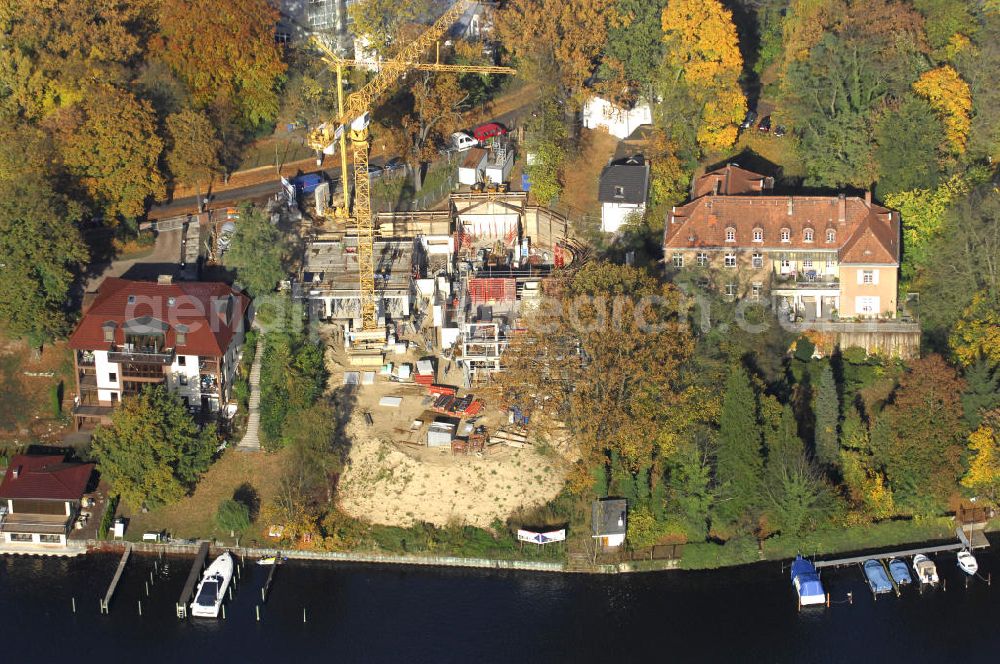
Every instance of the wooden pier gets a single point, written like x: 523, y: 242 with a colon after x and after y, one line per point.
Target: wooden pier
x: 839, y: 562
x: 196, y: 569
x: 266, y: 590
x: 106, y: 602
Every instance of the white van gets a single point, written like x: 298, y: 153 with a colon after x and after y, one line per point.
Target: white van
x: 462, y: 141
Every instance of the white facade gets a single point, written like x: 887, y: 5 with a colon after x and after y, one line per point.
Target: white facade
x: 619, y: 122
x: 614, y: 215
x: 107, y: 389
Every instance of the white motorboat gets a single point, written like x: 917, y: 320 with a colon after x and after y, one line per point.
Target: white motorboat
x: 967, y: 562
x: 925, y: 569
x: 212, y: 588
x: 272, y: 560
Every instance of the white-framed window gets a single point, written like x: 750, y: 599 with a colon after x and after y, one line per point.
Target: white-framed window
x: 786, y: 235
x: 868, y: 276
x: 49, y: 539
x: 757, y: 260
x: 678, y: 260
x: 786, y: 265
x: 807, y: 235
x: 831, y: 235
x: 830, y: 262
x: 758, y: 235
x: 730, y: 234
x: 807, y: 264
x: 755, y: 290
x: 20, y: 537
x: 730, y: 259
x: 112, y: 377
x: 866, y: 306
x: 730, y: 290
x: 702, y: 259
x: 182, y: 380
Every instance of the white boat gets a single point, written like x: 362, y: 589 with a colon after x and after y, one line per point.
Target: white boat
x: 967, y: 562
x: 925, y: 569
x: 212, y: 588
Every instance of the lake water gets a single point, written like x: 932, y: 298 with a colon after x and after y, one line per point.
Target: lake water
x: 360, y: 613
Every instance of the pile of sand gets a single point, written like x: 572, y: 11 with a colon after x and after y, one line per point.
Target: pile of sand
x: 384, y: 484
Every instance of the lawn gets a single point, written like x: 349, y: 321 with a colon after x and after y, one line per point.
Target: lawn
x: 193, y: 517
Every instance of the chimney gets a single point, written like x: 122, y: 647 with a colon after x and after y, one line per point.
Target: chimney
x: 842, y: 208
x: 15, y: 473
x: 790, y: 204
x: 165, y: 279
x: 868, y: 197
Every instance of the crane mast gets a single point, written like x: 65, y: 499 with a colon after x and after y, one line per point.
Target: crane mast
x: 352, y: 124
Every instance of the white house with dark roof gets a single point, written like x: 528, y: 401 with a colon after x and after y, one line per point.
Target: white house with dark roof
x: 609, y: 521
x: 623, y: 190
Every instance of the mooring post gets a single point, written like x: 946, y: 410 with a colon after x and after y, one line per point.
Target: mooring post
x: 262, y: 594
x: 850, y: 597
x: 74, y: 605
x: 303, y: 614
x: 230, y: 593
x: 223, y: 611
x: 258, y: 613
x: 140, y: 607
x: 146, y: 583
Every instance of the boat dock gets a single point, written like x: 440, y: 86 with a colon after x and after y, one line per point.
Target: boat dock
x: 196, y: 569
x: 106, y: 602
x: 839, y: 562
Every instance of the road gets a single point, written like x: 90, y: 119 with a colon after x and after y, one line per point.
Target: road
x: 271, y: 185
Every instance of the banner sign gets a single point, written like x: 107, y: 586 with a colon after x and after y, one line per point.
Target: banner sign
x: 541, y: 538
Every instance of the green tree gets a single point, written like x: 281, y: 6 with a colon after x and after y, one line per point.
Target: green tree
x: 257, y: 252
x: 982, y: 392
x: 233, y: 516
x: 41, y: 249
x: 314, y: 459
x: 152, y: 453
x: 921, y: 439
x: 689, y: 489
x: 908, y: 147
x: 545, y: 141
x: 827, y: 414
x: 111, y: 147
x: 635, y: 39
x: 739, y: 463
x: 229, y: 55
x: 192, y: 148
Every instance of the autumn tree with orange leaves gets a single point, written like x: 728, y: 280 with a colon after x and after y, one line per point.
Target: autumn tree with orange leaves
x: 703, y: 52
x: 226, y: 55
x: 556, y: 42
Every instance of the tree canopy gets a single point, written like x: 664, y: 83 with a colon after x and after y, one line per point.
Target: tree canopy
x: 152, y: 453
x: 257, y: 252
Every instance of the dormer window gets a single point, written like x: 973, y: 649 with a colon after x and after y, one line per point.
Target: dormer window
x: 730, y: 234
x: 109, y: 331
x: 807, y: 235
x: 619, y: 192
x: 758, y: 235
x: 786, y: 235
x: 181, y: 334
x: 831, y: 235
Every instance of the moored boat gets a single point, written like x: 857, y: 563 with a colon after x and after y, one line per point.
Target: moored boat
x: 901, y: 575
x: 805, y: 580
x: 878, y: 579
x: 272, y: 560
x: 925, y: 569
x: 967, y: 562
x: 212, y: 587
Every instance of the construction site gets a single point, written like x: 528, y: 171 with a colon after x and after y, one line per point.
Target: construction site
x: 416, y: 309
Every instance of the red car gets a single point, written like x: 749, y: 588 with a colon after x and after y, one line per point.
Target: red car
x: 488, y: 130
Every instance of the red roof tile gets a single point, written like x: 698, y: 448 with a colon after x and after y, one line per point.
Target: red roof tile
x: 211, y: 313
x: 45, y: 477
x: 731, y: 180
x: 863, y: 233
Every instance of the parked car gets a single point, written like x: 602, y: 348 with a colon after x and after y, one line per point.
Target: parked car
x: 779, y: 131
x: 484, y: 132
x: 765, y: 125
x: 748, y: 120
x: 306, y: 184
x: 394, y: 164
x: 462, y: 141
x: 374, y: 171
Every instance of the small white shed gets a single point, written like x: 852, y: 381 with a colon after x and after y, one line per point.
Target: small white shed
x: 471, y: 169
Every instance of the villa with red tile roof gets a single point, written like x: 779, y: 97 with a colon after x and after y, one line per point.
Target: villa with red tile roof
x: 187, y: 336
x: 819, y: 258
x: 41, y: 497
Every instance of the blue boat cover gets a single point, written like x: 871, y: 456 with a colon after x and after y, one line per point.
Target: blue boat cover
x: 809, y: 584
x: 877, y: 578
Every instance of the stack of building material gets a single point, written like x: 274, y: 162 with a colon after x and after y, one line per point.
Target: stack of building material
x: 511, y: 437
x: 440, y: 434
x: 425, y: 373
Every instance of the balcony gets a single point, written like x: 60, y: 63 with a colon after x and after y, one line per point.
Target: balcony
x: 85, y: 358
x: 809, y: 280
x: 88, y: 381
x: 141, y: 355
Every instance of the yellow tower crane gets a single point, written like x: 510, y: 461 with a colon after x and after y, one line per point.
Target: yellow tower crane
x: 352, y: 123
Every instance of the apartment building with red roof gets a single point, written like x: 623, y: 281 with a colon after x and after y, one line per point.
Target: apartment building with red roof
x: 817, y: 257
x: 187, y: 336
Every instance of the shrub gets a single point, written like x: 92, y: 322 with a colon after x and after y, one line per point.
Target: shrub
x: 233, y: 516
